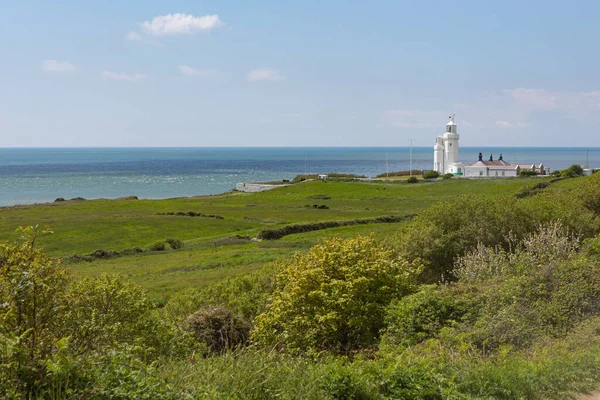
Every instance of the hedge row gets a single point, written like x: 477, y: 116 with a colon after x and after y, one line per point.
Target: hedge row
x: 278, y: 233
x: 161, y: 245
x: 528, y: 191
x: 191, y: 214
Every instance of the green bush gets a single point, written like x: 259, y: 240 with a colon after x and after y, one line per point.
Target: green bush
x: 555, y: 173
x: 55, y: 332
x: 449, y: 229
x: 573, y: 171
x: 175, y: 243
x: 400, y: 173
x: 447, y: 176
x: 245, y: 295
x: 527, y: 191
x: 542, y: 286
x: 158, y: 246
x: 412, y: 179
x: 527, y: 172
x: 422, y: 315
x: 334, y: 297
x: 106, y: 310
x: 431, y: 175
x: 32, y: 289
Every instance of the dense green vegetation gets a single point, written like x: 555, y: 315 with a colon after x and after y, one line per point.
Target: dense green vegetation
x: 491, y: 291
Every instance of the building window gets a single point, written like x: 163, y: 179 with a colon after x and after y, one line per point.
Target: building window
x: 448, y: 129
x: 502, y: 173
x: 480, y: 173
x: 449, y: 144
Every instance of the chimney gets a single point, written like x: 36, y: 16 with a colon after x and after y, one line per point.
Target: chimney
x: 491, y: 158
x: 480, y: 157
x: 500, y: 157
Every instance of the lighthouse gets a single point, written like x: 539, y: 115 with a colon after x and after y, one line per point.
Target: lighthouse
x: 445, y: 151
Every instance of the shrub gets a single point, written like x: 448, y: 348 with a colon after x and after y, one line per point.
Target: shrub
x: 449, y: 229
x: 431, y: 175
x: 218, y: 328
x: 573, y: 171
x: 105, y: 311
x: 447, y: 176
x: 157, y: 246
x: 175, y: 243
x: 527, y: 172
x: 527, y: 191
x: 400, y: 173
x: 131, y: 251
x: 334, y: 297
x: 103, y: 254
x: 412, y: 179
x: 32, y: 288
x: 422, y: 315
x: 245, y: 295
x: 555, y: 173
x: 543, y: 287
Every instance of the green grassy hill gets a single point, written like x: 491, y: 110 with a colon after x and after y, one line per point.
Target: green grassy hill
x: 82, y: 227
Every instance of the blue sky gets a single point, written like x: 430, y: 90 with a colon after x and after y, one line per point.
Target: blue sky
x: 298, y: 73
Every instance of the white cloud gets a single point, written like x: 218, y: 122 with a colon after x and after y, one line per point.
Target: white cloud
x: 264, y: 74
x: 504, y: 124
x: 58, y: 66
x: 541, y: 99
x: 122, y: 76
x: 189, y: 71
x: 178, y: 24
x: 508, y: 124
x: 134, y: 36
x: 537, y: 98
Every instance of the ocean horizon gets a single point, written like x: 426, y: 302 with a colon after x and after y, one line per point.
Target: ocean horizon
x: 40, y: 175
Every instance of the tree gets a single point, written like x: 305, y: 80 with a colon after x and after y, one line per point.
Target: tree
x: 573, y: 171
x: 32, y: 290
x: 334, y: 297
x: 431, y: 175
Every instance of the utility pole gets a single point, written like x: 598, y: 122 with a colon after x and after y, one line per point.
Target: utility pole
x: 387, y: 171
x: 410, y: 162
x: 305, y: 164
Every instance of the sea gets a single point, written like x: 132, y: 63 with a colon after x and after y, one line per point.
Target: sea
x: 39, y: 175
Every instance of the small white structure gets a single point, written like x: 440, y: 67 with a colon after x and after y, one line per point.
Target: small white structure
x: 499, y: 168
x: 491, y: 168
x: 323, y: 177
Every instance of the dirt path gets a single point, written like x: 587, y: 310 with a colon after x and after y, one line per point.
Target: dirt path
x: 591, y: 396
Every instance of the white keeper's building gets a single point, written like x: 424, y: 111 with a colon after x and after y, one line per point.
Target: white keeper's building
x: 446, y: 159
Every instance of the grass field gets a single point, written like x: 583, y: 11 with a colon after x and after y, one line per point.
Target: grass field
x: 84, y: 226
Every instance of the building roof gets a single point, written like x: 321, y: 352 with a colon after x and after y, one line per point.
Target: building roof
x: 503, y: 167
x: 488, y: 163
x: 531, y: 166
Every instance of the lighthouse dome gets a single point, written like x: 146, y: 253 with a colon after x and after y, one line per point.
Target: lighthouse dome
x: 451, y: 129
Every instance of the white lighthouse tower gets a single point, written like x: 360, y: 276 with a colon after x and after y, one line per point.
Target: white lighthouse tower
x: 445, y: 151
